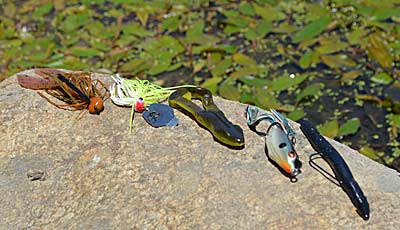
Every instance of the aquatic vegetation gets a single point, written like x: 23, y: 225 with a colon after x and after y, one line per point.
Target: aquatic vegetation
x: 327, y: 60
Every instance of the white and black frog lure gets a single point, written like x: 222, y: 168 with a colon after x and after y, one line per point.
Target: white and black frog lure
x: 279, y: 139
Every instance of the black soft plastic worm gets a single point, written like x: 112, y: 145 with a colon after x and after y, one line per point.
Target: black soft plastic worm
x: 339, y: 167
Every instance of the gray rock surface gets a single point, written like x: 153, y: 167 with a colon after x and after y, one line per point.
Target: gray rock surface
x: 92, y: 173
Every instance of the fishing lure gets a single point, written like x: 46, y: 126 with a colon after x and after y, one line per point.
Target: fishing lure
x: 77, y: 89
x: 210, y: 116
x: 339, y: 167
x: 279, y: 139
x: 138, y: 94
x: 158, y: 115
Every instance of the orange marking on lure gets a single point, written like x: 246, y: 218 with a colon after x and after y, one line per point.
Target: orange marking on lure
x: 285, y: 167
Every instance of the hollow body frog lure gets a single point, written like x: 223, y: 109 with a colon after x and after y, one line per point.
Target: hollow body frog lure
x: 279, y: 140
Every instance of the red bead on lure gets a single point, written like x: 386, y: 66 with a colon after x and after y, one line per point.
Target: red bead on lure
x: 139, y: 105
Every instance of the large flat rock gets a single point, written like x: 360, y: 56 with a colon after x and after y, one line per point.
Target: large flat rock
x: 99, y: 176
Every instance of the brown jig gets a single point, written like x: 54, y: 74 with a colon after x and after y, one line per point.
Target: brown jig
x: 76, y: 89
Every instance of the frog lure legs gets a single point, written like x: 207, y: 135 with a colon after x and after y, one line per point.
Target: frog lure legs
x: 279, y: 139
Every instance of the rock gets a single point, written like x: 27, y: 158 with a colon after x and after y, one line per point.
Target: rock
x: 99, y: 176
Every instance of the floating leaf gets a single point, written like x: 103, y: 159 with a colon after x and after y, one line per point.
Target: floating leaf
x: 234, y: 18
x: 194, y: 34
x: 134, y: 65
x: 396, y: 120
x: 378, y: 50
x: 43, y: 10
x: 221, y: 67
x: 242, y: 59
x: 9, y: 9
x: 337, y: 61
x: 95, y: 28
x: 316, y: 11
x: 265, y: 99
x: 305, y: 60
x: 311, y: 90
x: 245, y: 71
x: 261, y: 29
x: 158, y: 67
x: 247, y: 98
x: 329, y: 128
x: 228, y: 90
x: 269, y: 13
x: 286, y: 82
x: 369, y: 152
x: 384, y: 13
x: 169, y: 42
x: 212, y: 84
x: 175, y: 66
x: 213, y: 59
x: 85, y: 51
x: 331, y: 47
x: 142, y: 15
x: 74, y: 21
x: 211, y: 49
x: 311, y: 30
x: 253, y: 81
x: 247, y: 9
x: 349, y: 127
x: 382, y: 78
x: 231, y: 29
x: 172, y: 23
x: 135, y: 29
x: 199, y: 66
x: 285, y: 28
x: 355, y: 36
x: 297, y: 114
x: 351, y: 75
